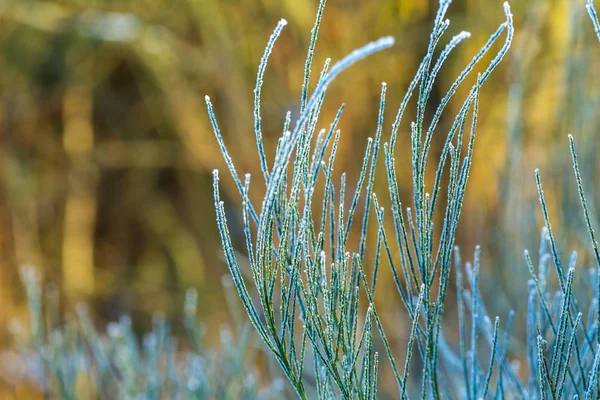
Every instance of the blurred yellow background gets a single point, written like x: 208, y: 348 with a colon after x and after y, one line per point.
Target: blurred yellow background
x: 106, y: 150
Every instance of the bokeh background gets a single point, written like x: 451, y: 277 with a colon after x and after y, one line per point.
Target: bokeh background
x: 106, y: 150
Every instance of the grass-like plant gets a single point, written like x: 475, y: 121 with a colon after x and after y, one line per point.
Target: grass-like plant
x: 308, y: 282
x: 68, y: 358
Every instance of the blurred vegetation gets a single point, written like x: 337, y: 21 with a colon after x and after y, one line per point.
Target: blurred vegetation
x: 106, y: 151
x: 68, y: 358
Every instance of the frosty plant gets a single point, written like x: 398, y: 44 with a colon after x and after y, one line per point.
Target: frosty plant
x: 68, y: 358
x: 303, y: 300
x: 308, y: 281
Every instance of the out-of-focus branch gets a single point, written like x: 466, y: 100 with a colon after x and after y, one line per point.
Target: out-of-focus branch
x: 81, y: 202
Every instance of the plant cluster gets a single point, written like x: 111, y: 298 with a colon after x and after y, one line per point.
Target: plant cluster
x: 310, y: 297
x: 68, y: 358
x: 309, y: 283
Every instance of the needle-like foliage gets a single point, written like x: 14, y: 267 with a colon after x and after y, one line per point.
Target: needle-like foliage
x: 316, y: 314
x: 307, y: 279
x: 307, y: 288
x: 68, y: 358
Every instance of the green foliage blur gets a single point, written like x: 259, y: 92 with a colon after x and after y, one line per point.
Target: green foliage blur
x: 106, y: 150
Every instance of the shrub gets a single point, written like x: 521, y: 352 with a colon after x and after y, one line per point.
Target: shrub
x: 309, y: 283
x: 307, y: 286
x: 72, y: 360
